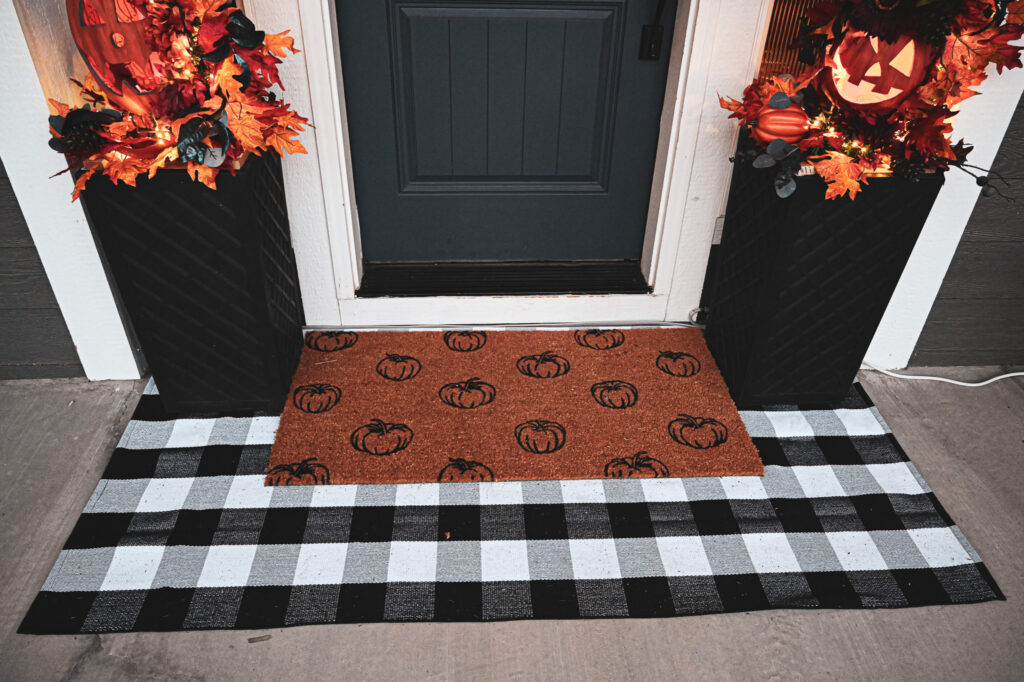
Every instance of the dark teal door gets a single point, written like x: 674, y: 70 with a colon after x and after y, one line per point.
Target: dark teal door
x: 501, y: 131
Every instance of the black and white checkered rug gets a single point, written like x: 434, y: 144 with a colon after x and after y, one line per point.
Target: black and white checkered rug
x: 181, y: 534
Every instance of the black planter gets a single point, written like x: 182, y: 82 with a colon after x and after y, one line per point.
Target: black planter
x: 208, y: 280
x: 801, y: 283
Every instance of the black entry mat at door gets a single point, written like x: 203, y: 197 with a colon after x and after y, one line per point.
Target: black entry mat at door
x: 502, y: 279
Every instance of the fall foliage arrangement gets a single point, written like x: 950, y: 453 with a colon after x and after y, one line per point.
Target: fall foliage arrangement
x: 882, y: 81
x: 172, y: 83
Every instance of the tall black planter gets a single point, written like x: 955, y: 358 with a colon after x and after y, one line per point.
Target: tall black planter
x: 209, y: 282
x: 802, y: 283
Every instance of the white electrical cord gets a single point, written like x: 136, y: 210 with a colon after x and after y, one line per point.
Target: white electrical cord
x: 943, y: 379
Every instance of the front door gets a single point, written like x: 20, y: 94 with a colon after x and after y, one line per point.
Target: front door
x: 497, y: 132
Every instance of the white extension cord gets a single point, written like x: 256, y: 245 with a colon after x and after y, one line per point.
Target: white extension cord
x: 943, y: 379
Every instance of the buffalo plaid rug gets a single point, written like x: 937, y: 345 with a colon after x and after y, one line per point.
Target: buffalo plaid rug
x: 181, y: 534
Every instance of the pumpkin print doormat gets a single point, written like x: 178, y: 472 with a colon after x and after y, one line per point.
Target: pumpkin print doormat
x: 475, y: 405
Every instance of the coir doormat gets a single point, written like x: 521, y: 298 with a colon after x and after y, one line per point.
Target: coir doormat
x: 181, y: 534
x: 475, y: 405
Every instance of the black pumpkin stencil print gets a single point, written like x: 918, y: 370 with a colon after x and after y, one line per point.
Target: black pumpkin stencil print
x: 396, y: 367
x: 308, y: 471
x: 618, y: 395
x: 677, y: 364
x: 540, y: 436
x: 544, y: 365
x: 698, y: 432
x: 316, y: 398
x: 380, y: 438
x: 464, y: 471
x: 329, y: 342
x: 481, y: 405
x: 467, y: 394
x: 465, y: 341
x: 599, y: 339
x: 639, y: 465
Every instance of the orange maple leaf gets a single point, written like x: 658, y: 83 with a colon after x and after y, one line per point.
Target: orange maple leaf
x: 122, y: 127
x: 244, y: 126
x: 169, y: 154
x: 83, y: 178
x: 225, y: 79
x: 277, y: 43
x: 840, y: 173
x: 284, y: 141
x: 1015, y: 12
x: 203, y: 174
x: 58, y: 108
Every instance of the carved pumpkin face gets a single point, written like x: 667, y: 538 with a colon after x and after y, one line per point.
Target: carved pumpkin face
x: 869, y: 74
x: 111, y: 34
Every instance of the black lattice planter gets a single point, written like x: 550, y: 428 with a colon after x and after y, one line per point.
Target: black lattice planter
x: 801, y: 284
x: 208, y: 280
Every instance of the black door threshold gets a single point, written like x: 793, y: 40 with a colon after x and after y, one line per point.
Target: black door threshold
x: 502, y: 279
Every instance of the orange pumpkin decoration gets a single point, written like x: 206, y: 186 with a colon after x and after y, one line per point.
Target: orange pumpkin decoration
x: 111, y: 36
x: 867, y: 74
x: 790, y: 124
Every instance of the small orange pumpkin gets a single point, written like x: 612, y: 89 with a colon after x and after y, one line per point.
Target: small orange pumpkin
x: 790, y: 124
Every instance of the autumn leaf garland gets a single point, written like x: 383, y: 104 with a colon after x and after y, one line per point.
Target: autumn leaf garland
x: 209, y: 76
x: 844, y: 143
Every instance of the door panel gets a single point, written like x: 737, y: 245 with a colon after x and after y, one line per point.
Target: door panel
x: 489, y: 131
x: 473, y: 106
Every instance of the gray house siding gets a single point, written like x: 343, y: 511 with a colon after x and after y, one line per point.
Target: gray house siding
x: 34, y: 341
x: 978, y: 317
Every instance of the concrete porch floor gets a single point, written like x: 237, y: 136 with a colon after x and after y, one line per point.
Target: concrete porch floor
x: 56, y: 436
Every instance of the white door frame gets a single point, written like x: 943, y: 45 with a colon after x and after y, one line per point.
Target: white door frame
x: 688, y: 193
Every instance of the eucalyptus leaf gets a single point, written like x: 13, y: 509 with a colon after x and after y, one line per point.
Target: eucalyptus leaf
x: 779, y: 100
x: 779, y: 149
x: 764, y: 161
x: 786, y: 189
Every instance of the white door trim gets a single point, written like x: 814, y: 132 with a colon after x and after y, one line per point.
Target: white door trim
x: 686, y: 151
x: 59, y: 229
